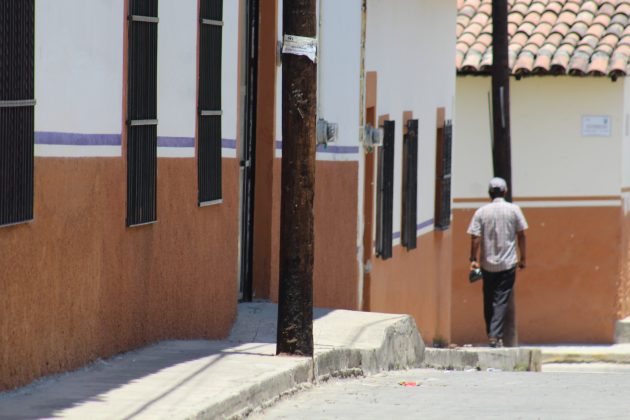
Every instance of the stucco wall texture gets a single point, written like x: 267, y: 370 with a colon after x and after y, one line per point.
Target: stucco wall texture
x: 77, y: 285
x: 335, y: 272
x: 417, y: 282
x: 623, y: 299
x: 569, y: 292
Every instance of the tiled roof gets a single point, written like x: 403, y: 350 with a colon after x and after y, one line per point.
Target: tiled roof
x: 575, y: 37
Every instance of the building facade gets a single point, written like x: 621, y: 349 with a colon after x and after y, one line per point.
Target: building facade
x: 148, y: 203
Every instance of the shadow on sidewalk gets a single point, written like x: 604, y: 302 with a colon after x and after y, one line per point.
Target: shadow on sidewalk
x: 50, y: 397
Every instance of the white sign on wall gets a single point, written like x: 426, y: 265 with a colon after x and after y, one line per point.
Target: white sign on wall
x: 596, y: 126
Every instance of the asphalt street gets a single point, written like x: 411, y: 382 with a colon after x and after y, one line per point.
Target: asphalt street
x: 595, y: 391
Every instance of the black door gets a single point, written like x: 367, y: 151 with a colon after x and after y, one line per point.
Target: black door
x: 248, y: 153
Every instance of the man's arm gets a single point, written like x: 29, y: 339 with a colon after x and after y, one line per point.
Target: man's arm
x: 522, y: 247
x: 475, y: 242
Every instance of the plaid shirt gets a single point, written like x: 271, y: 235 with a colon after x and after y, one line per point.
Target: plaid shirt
x: 497, y: 224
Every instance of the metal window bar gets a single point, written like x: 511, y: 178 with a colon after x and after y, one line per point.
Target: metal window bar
x: 443, y: 201
x: 17, y: 109
x: 385, y: 193
x: 142, y: 113
x: 410, y: 186
x: 209, y: 165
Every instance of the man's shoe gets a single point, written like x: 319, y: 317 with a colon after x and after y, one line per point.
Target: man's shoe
x: 495, y: 342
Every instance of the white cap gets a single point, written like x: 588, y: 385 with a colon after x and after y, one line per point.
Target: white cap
x: 498, y: 183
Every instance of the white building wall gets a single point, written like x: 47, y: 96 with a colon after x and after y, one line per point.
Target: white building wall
x: 230, y: 71
x: 550, y: 157
x: 626, y: 133
x: 339, y: 68
x: 177, y: 77
x: 339, y: 74
x: 412, y: 52
x: 78, y: 77
x: 177, y: 84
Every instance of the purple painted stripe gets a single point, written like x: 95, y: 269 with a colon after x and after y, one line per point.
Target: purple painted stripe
x: 425, y: 224
x: 190, y: 142
x: 341, y: 150
x: 79, y: 139
x: 228, y: 144
x: 420, y: 226
x: 176, y: 142
x: 75, y: 139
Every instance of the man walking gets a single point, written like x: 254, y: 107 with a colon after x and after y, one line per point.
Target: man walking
x: 496, y: 229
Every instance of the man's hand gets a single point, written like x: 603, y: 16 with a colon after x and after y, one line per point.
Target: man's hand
x: 474, y: 265
x: 522, y: 247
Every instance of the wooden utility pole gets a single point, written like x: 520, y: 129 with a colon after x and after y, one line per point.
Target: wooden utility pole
x: 299, y: 113
x: 501, y: 149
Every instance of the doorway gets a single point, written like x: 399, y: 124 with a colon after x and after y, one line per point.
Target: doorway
x: 248, y: 151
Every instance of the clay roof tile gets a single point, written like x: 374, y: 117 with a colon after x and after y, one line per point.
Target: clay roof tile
x: 596, y: 30
x: 555, y: 6
x: 548, y: 17
x: 579, y: 28
x: 603, y: 20
x: 571, y: 6
x: 524, y: 64
x: 623, y: 9
x: 589, y: 6
x: 615, y: 29
x: 578, y: 65
x: 598, y: 65
x: 542, y: 64
x: 621, y: 19
x: 577, y: 37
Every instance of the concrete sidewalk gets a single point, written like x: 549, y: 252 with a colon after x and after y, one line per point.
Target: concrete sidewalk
x: 232, y: 377
x: 219, y: 379
x: 617, y: 353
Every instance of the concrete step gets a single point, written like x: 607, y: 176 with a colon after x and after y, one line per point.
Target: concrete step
x: 619, y: 353
x: 484, y: 358
x: 622, y: 331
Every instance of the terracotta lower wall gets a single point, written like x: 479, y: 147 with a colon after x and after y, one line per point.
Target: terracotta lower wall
x: 335, y: 277
x: 623, y: 300
x: 418, y: 283
x: 569, y: 291
x: 78, y: 285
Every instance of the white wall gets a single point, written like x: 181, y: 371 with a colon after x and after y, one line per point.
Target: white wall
x: 338, y: 75
x: 411, y: 44
x: 626, y: 133
x: 550, y: 157
x: 177, y: 68
x: 339, y: 68
x: 79, y: 75
x: 229, y: 87
x: 177, y: 74
x: 78, y: 68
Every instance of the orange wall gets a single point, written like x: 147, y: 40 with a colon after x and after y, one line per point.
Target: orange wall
x: 335, y: 277
x: 78, y: 285
x: 624, y: 288
x: 418, y: 283
x: 569, y: 291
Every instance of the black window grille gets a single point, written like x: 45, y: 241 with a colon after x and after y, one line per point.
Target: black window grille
x: 209, y: 106
x: 443, y: 178
x: 385, y: 192
x: 142, y: 113
x: 17, y: 108
x: 408, y: 232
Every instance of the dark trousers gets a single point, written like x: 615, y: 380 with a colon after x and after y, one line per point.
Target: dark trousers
x: 497, y: 288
